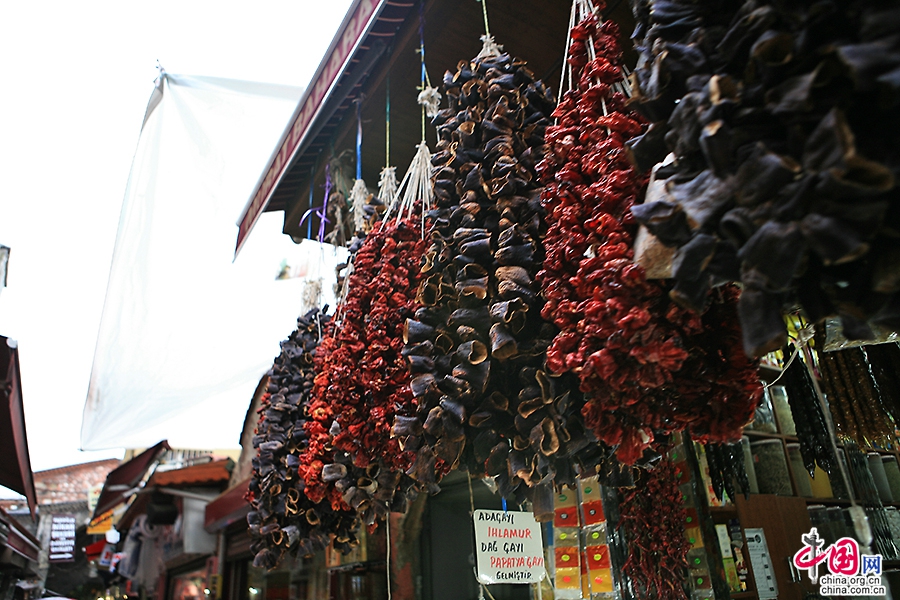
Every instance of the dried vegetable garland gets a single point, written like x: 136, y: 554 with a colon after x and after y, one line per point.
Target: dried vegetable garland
x: 726, y: 468
x: 862, y: 392
x: 283, y: 519
x: 352, y: 461
x: 477, y: 346
x: 812, y: 431
x: 646, y: 364
x: 783, y: 177
x: 652, y: 517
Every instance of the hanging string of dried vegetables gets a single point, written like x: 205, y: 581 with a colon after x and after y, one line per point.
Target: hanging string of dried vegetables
x: 646, y: 364
x: 283, y: 519
x: 652, y: 518
x: 862, y: 392
x: 485, y: 400
x: 783, y: 178
x: 884, y: 364
x: 726, y: 468
x: 812, y: 431
x: 352, y: 461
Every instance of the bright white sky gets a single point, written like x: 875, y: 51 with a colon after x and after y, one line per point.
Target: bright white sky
x: 77, y: 78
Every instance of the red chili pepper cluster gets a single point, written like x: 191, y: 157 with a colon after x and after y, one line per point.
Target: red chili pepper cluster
x: 283, y: 519
x: 652, y: 518
x: 638, y: 355
x: 352, y: 461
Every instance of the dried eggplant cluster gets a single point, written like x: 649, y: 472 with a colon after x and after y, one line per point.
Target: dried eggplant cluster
x: 476, y: 347
x: 812, y: 430
x: 645, y: 364
x: 863, y: 392
x: 784, y: 178
x: 282, y: 518
x: 352, y: 462
x: 726, y: 468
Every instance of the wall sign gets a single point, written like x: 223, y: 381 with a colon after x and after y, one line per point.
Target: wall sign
x: 62, y: 538
x: 101, y: 524
x: 508, y: 547
x: 763, y: 573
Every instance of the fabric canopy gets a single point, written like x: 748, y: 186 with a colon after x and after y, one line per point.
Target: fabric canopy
x: 121, y: 481
x: 186, y: 332
x: 15, y: 468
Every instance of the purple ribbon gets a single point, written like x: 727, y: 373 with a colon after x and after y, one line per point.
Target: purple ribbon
x: 322, y: 219
x: 318, y: 212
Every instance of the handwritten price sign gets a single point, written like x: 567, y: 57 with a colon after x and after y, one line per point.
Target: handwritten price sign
x: 508, y: 547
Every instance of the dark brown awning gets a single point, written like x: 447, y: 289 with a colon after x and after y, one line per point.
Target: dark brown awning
x: 19, y: 548
x: 15, y: 473
x: 122, y: 480
x: 228, y: 508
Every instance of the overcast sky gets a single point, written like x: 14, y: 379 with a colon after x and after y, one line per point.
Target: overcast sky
x: 76, y: 80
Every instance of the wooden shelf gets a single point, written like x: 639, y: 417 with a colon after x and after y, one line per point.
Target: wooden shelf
x: 827, y: 501
x: 791, y: 439
x: 743, y: 594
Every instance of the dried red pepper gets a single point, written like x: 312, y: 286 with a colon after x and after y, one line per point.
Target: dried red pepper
x: 645, y: 364
x: 352, y: 460
x: 652, y: 518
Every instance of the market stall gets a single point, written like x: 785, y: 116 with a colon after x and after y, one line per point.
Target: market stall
x: 618, y: 315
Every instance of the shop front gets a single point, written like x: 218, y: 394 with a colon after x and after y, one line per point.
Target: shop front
x: 616, y: 333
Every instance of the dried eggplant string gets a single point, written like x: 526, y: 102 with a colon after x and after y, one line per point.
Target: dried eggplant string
x: 484, y: 398
x: 775, y: 113
x: 282, y: 518
x: 726, y: 468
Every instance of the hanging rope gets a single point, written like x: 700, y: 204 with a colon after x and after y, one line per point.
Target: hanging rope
x: 429, y: 97
x: 359, y: 195
x: 319, y: 211
x: 423, y: 74
x: 387, y: 558
x: 312, y: 188
x: 582, y: 9
x: 387, y: 120
x: 565, y: 64
x: 489, y: 47
x: 416, y: 185
x: 487, y: 28
x: 358, y: 102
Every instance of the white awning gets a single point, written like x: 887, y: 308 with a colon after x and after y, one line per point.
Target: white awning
x: 186, y: 332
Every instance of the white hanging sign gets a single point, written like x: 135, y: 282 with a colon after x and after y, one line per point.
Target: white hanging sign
x: 508, y: 547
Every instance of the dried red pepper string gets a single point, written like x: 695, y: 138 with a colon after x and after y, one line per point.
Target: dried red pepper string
x: 645, y: 364
x: 364, y: 382
x: 652, y: 517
